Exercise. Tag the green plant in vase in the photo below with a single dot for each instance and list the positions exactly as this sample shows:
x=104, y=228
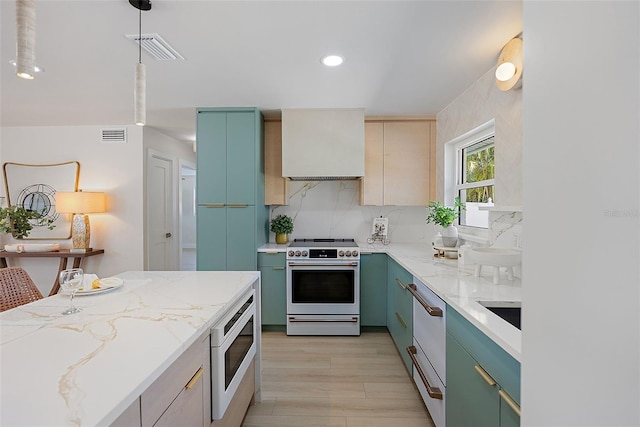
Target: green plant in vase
x=444, y=216
x=282, y=225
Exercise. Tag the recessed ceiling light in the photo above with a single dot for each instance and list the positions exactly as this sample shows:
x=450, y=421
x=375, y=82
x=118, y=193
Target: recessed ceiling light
x=332, y=60
x=35, y=68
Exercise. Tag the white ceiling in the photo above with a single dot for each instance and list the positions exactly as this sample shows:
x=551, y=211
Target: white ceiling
x=402, y=58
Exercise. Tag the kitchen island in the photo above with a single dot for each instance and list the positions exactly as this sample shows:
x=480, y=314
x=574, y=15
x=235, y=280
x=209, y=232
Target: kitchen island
x=88, y=368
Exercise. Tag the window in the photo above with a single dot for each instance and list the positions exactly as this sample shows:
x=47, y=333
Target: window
x=470, y=174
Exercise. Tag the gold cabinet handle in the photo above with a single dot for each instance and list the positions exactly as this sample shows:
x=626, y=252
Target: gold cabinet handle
x=485, y=375
x=512, y=403
x=401, y=320
x=402, y=285
x=211, y=205
x=434, y=392
x=278, y=268
x=193, y=381
x=237, y=205
x=433, y=311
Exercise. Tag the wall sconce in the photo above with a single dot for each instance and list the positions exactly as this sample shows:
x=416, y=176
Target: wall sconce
x=509, y=66
x=79, y=204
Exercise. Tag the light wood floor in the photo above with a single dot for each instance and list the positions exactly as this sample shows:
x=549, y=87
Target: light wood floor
x=335, y=381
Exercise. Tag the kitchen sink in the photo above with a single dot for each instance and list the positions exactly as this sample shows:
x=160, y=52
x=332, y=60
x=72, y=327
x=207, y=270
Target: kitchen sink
x=506, y=310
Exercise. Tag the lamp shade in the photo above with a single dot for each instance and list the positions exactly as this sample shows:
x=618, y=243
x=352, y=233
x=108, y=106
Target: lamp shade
x=80, y=202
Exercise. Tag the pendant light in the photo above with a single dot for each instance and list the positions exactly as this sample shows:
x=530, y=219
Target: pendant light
x=139, y=93
x=26, y=39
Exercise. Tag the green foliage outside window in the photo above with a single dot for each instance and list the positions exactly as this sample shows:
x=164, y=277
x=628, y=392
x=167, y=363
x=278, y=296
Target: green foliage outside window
x=480, y=166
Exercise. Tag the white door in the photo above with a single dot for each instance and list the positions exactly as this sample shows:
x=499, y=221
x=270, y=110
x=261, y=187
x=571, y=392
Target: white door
x=160, y=216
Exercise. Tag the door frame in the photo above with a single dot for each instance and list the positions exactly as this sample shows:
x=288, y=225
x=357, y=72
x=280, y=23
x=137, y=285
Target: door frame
x=174, y=253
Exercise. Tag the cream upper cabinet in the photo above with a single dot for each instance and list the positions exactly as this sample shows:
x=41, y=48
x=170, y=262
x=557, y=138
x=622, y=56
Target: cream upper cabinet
x=399, y=163
x=275, y=186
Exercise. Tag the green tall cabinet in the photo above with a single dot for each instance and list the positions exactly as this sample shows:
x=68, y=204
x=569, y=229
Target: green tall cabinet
x=231, y=217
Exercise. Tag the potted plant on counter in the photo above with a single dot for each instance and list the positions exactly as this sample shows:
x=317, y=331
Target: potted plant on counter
x=444, y=216
x=282, y=225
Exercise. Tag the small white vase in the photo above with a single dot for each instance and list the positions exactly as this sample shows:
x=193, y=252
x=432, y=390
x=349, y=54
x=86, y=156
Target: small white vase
x=449, y=236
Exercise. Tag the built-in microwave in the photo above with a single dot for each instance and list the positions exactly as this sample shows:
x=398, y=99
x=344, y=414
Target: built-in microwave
x=233, y=348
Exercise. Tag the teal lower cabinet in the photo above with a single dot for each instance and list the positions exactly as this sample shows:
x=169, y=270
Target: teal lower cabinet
x=373, y=293
x=400, y=309
x=483, y=381
x=274, y=291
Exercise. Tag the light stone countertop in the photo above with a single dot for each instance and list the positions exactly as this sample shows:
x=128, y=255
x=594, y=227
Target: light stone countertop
x=460, y=289
x=85, y=369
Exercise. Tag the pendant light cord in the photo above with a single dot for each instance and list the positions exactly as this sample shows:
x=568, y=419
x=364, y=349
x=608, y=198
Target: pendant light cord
x=140, y=37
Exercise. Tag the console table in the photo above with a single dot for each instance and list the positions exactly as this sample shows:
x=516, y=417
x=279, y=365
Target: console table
x=63, y=254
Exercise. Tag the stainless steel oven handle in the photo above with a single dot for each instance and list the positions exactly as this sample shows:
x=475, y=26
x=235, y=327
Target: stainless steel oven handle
x=350, y=264
x=351, y=320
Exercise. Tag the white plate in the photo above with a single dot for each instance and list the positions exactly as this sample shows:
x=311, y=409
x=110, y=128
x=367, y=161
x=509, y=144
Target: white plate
x=107, y=284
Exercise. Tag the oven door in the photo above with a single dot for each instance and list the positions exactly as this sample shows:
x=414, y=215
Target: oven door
x=323, y=287
x=233, y=348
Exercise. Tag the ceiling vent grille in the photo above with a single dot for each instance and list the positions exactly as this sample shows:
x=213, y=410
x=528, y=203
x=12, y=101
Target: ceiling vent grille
x=155, y=46
x=114, y=135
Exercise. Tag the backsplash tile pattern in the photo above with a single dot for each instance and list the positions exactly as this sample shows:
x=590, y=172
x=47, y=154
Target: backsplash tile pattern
x=332, y=209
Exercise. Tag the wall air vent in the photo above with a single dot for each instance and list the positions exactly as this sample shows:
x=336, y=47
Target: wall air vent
x=113, y=135
x=155, y=46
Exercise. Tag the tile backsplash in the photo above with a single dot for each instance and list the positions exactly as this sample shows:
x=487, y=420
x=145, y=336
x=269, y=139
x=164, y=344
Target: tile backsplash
x=332, y=209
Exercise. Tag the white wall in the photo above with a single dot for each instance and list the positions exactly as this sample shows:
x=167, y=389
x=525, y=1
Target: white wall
x=115, y=168
x=581, y=180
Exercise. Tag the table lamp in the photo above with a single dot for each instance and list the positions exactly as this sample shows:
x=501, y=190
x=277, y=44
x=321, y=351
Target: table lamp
x=80, y=203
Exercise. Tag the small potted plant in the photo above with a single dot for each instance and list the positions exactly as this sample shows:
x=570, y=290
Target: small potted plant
x=17, y=221
x=444, y=216
x=282, y=225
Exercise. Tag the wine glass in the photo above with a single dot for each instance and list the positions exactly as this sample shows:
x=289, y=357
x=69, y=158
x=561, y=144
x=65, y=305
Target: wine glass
x=71, y=281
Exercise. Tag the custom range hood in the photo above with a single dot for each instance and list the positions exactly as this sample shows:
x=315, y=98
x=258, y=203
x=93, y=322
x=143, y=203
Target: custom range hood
x=322, y=144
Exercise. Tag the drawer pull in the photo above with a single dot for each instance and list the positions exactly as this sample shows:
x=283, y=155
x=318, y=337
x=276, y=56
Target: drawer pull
x=278, y=268
x=401, y=320
x=485, y=375
x=237, y=205
x=512, y=403
x=433, y=311
x=193, y=381
x=402, y=285
x=343, y=320
x=211, y=205
x=434, y=392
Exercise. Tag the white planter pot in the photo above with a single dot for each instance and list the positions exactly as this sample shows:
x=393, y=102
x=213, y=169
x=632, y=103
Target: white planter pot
x=449, y=236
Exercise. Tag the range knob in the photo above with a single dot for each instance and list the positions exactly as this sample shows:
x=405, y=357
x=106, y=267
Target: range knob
x=341, y=253
x=304, y=253
x=354, y=253
x=298, y=253
x=348, y=253
x=291, y=253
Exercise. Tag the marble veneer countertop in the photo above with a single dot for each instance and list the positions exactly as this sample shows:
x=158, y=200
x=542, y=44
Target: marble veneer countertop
x=87, y=368
x=460, y=289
